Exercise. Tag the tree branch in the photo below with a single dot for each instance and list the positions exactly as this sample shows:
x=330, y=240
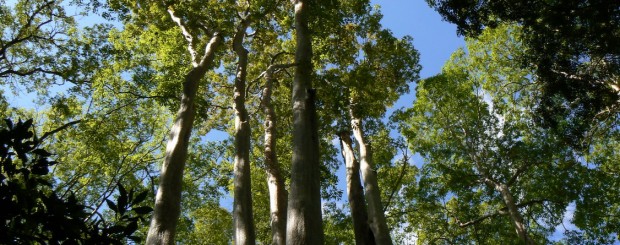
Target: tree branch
x=403, y=171
x=188, y=36
x=518, y=173
x=63, y=127
x=502, y=211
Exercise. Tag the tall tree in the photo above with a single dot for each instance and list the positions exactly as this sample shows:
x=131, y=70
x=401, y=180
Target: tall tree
x=168, y=198
x=392, y=63
x=489, y=167
x=275, y=179
x=304, y=219
x=355, y=192
x=242, y=205
x=371, y=185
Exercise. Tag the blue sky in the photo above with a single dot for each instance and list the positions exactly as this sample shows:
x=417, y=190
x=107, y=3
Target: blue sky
x=433, y=38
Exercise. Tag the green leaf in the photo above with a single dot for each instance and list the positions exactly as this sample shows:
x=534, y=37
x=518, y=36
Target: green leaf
x=9, y=123
x=140, y=197
x=111, y=205
x=143, y=210
x=131, y=228
x=122, y=199
x=135, y=239
x=41, y=152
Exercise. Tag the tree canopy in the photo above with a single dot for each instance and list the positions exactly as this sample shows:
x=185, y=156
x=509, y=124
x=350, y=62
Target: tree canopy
x=219, y=122
x=571, y=45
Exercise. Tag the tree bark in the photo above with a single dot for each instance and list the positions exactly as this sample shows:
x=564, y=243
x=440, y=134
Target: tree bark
x=514, y=213
x=361, y=229
x=304, y=221
x=275, y=180
x=242, y=204
x=376, y=216
x=168, y=199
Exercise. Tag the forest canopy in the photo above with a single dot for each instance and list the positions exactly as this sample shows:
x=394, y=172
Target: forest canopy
x=219, y=122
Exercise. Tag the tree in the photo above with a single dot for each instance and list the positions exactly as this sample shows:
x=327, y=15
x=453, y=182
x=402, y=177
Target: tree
x=492, y=173
x=168, y=198
x=304, y=221
x=384, y=60
x=355, y=193
x=572, y=47
x=242, y=206
x=38, y=45
x=486, y=158
x=168, y=202
x=275, y=180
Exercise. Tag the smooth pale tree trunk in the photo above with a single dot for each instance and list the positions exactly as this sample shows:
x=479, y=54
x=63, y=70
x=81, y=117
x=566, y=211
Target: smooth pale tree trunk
x=242, y=204
x=275, y=179
x=361, y=229
x=513, y=211
x=304, y=220
x=168, y=199
x=376, y=218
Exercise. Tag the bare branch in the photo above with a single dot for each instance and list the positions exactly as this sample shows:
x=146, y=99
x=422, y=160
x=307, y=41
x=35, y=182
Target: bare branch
x=209, y=48
x=141, y=96
x=271, y=69
x=398, y=183
x=274, y=57
x=63, y=127
x=482, y=218
x=518, y=173
x=502, y=211
x=188, y=36
x=18, y=38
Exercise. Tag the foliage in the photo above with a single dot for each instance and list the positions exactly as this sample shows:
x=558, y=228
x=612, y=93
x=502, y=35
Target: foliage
x=35, y=213
x=597, y=211
x=338, y=224
x=473, y=125
x=41, y=46
x=556, y=66
x=571, y=44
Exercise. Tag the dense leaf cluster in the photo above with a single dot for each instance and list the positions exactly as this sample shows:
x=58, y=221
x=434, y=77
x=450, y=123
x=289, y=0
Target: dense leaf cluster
x=573, y=45
x=33, y=213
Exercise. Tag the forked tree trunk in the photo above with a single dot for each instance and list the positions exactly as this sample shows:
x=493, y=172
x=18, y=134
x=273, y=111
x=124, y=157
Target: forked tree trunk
x=275, y=179
x=304, y=220
x=168, y=199
x=355, y=193
x=376, y=218
x=242, y=204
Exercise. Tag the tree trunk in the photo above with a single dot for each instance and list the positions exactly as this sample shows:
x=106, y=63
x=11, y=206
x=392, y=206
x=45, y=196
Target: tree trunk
x=363, y=234
x=275, y=180
x=376, y=217
x=304, y=221
x=242, y=204
x=168, y=199
x=514, y=213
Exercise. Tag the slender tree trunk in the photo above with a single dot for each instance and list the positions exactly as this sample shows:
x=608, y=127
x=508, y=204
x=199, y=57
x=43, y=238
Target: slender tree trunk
x=242, y=204
x=168, y=199
x=514, y=213
x=275, y=180
x=376, y=217
x=363, y=234
x=304, y=220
